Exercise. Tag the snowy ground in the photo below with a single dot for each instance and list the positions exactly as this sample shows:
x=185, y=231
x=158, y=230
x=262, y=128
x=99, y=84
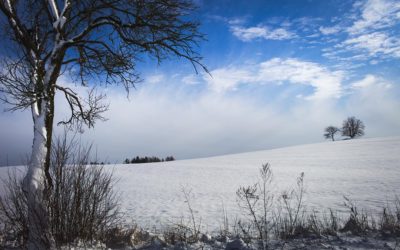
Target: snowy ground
x=365, y=170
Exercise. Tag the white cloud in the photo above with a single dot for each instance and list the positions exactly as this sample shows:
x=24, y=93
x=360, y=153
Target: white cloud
x=329, y=30
x=246, y=34
x=263, y=32
x=371, y=81
x=157, y=78
x=326, y=83
x=228, y=78
x=191, y=79
x=371, y=35
x=366, y=82
x=375, y=44
x=160, y=120
x=376, y=14
x=376, y=101
x=236, y=21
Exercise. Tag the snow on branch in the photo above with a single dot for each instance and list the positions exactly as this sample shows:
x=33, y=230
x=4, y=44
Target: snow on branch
x=54, y=9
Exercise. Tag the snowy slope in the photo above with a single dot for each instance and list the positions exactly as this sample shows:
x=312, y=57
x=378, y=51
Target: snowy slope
x=365, y=170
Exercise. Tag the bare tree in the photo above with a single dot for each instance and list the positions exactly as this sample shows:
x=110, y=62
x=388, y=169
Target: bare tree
x=330, y=132
x=92, y=42
x=353, y=127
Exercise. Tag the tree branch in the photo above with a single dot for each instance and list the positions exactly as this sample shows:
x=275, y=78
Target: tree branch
x=83, y=111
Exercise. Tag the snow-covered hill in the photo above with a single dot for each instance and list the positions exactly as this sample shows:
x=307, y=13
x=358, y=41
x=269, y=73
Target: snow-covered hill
x=365, y=170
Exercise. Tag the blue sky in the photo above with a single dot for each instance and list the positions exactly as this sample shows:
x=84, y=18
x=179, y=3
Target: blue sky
x=280, y=72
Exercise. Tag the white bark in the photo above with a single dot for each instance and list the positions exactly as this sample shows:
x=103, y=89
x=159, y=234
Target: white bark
x=35, y=180
x=12, y=19
x=53, y=8
x=34, y=183
x=39, y=150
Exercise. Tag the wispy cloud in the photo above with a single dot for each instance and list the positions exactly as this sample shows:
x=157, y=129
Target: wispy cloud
x=261, y=32
x=191, y=79
x=326, y=83
x=370, y=34
x=375, y=44
x=330, y=30
x=246, y=33
x=157, y=78
x=229, y=78
x=371, y=81
x=376, y=14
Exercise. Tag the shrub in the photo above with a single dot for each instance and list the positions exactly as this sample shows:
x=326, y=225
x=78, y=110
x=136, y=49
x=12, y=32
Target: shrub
x=81, y=204
x=358, y=222
x=13, y=210
x=284, y=217
x=290, y=218
x=256, y=201
x=389, y=221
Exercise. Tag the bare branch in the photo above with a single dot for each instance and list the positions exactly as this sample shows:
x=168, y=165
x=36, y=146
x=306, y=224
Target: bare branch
x=83, y=111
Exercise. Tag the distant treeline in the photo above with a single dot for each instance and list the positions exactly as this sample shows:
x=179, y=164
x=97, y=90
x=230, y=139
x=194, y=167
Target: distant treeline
x=148, y=159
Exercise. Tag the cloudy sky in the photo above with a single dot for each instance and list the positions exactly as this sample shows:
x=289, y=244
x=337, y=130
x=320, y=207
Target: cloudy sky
x=280, y=72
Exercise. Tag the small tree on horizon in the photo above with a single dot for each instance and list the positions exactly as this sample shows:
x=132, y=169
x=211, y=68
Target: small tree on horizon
x=330, y=132
x=353, y=127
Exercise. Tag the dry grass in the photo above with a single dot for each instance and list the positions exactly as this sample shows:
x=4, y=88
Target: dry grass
x=81, y=204
x=90, y=213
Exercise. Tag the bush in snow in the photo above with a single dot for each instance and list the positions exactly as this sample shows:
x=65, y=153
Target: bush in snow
x=81, y=204
x=256, y=201
x=389, y=222
x=290, y=217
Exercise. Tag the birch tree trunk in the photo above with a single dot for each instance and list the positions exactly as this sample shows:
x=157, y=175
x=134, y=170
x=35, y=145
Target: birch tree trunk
x=39, y=236
x=37, y=182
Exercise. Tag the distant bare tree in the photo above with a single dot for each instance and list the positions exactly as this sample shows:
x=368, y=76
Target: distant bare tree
x=95, y=42
x=353, y=127
x=330, y=132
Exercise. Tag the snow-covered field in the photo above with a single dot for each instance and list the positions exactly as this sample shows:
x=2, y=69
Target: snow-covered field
x=365, y=170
